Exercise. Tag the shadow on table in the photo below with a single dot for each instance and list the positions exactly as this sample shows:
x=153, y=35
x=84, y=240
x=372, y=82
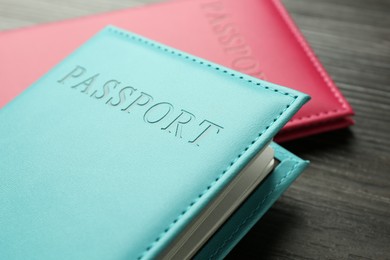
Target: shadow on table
x=343, y=139
x=269, y=234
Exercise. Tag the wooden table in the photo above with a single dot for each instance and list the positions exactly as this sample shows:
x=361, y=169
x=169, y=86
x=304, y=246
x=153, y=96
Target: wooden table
x=340, y=207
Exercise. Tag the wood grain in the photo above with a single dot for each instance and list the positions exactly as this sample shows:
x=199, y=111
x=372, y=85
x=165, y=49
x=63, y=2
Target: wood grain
x=340, y=207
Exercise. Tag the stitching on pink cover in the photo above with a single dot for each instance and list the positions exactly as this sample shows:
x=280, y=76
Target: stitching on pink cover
x=253, y=212
x=335, y=111
x=291, y=25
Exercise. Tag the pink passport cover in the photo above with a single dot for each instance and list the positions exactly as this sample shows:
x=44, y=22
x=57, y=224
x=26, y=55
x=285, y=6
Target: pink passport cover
x=256, y=37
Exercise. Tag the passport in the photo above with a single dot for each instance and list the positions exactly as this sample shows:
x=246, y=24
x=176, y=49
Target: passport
x=130, y=149
x=256, y=37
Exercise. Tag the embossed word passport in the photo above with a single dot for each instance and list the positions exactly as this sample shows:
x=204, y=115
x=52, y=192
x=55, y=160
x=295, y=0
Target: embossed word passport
x=256, y=37
x=129, y=149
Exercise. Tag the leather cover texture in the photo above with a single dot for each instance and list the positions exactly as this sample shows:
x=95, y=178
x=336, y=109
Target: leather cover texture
x=224, y=240
x=256, y=37
x=112, y=153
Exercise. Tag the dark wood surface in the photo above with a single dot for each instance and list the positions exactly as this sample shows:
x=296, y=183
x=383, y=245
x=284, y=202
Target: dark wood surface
x=340, y=207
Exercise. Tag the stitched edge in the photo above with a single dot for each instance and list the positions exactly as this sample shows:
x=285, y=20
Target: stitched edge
x=315, y=62
x=222, y=70
x=319, y=114
x=291, y=27
x=322, y=123
x=252, y=214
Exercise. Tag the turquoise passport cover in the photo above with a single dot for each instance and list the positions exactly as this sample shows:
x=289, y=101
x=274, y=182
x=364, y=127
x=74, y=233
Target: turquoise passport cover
x=244, y=218
x=115, y=150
